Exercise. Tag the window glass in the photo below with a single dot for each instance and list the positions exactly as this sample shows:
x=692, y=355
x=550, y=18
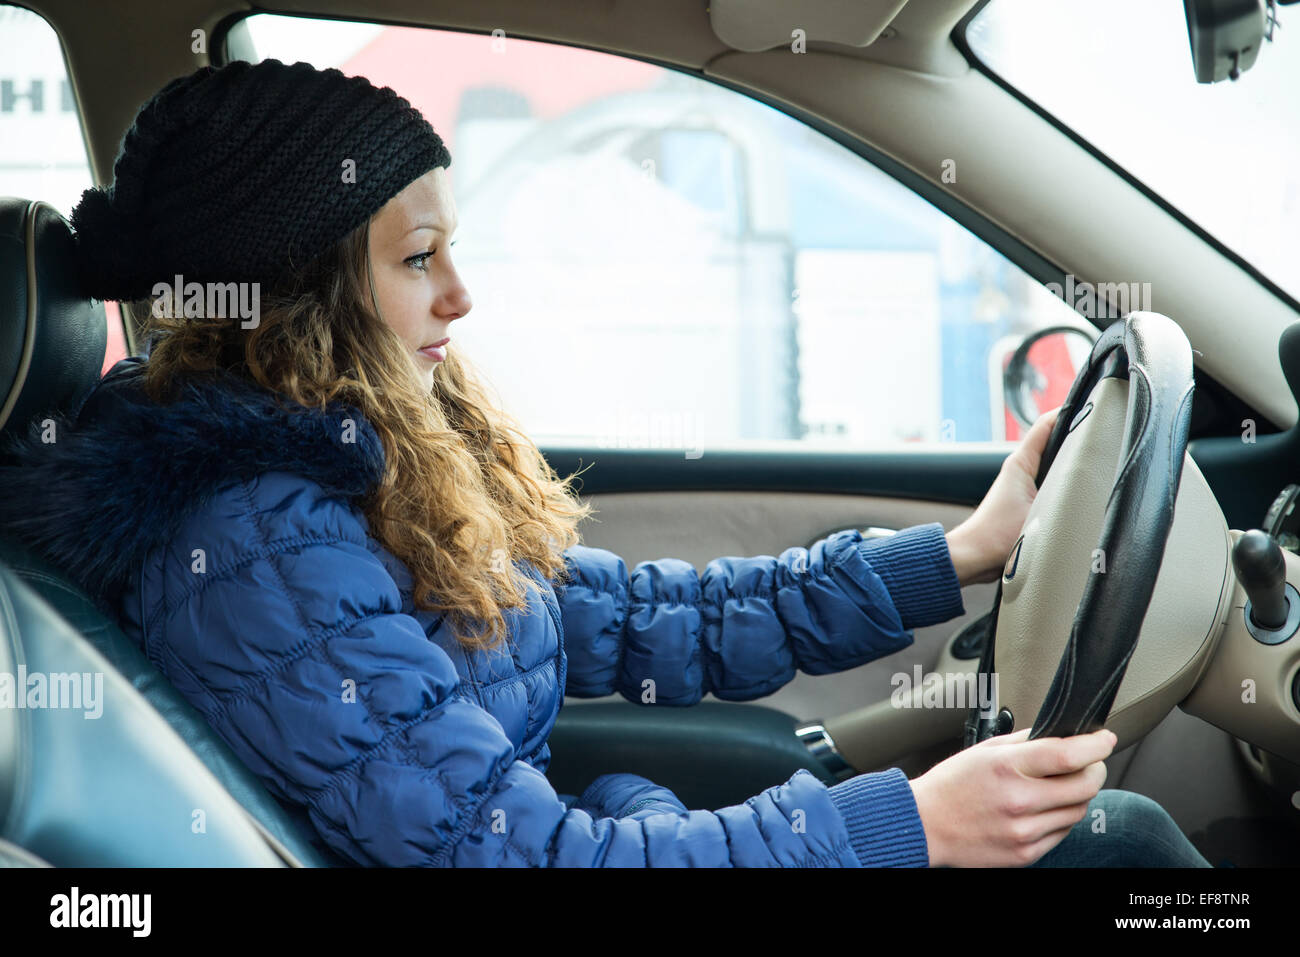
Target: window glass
x=657, y=261
x=42, y=148
x=1120, y=75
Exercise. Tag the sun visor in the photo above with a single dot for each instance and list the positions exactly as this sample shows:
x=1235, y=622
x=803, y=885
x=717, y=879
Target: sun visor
x=754, y=25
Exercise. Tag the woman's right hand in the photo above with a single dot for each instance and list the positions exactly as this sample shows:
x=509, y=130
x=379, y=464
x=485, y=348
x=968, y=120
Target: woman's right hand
x=1007, y=801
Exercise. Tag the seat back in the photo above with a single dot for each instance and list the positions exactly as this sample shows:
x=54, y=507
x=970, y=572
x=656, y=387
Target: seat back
x=90, y=774
x=52, y=342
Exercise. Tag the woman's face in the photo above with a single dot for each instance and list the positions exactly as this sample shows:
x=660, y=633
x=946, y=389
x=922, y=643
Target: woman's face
x=417, y=287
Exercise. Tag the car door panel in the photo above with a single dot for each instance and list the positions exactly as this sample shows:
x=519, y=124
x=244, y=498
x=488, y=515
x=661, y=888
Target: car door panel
x=652, y=504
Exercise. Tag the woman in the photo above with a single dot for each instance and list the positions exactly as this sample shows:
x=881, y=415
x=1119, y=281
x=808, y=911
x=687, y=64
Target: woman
x=369, y=581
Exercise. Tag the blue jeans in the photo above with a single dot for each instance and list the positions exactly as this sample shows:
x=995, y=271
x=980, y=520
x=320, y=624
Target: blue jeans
x=1130, y=831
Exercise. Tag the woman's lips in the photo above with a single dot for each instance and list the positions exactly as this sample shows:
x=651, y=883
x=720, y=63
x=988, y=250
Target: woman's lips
x=436, y=352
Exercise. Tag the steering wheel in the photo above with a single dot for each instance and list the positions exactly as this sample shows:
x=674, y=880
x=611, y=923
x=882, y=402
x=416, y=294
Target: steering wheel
x=1107, y=605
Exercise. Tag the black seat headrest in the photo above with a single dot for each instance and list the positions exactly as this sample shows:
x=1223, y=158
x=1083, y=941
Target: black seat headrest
x=52, y=338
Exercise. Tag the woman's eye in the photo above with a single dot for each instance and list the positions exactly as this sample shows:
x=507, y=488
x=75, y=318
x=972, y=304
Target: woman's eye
x=419, y=260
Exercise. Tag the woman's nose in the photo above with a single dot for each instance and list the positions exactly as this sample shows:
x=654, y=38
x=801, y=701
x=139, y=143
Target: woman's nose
x=455, y=302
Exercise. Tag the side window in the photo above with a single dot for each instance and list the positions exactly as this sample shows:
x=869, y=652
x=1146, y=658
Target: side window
x=657, y=261
x=42, y=149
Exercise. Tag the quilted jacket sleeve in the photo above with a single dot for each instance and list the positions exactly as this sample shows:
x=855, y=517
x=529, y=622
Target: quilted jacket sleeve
x=666, y=634
x=291, y=642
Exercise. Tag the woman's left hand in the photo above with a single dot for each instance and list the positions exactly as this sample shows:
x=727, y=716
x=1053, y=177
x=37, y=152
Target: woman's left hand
x=979, y=546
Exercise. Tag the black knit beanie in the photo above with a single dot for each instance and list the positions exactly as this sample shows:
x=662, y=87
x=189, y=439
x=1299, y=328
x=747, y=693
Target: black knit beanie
x=237, y=173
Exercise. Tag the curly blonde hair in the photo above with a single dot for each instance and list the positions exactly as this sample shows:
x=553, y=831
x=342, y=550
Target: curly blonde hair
x=465, y=494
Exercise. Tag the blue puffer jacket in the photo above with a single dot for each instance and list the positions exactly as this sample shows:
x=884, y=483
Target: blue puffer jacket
x=222, y=529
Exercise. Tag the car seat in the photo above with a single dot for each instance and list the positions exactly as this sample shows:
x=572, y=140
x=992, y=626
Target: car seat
x=124, y=789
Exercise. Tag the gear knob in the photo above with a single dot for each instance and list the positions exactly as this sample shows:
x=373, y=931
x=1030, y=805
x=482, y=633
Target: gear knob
x=1261, y=569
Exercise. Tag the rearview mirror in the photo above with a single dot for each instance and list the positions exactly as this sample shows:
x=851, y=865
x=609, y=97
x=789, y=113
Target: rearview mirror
x=1225, y=36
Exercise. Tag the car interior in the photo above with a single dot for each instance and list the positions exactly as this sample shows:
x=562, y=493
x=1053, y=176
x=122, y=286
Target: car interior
x=1181, y=438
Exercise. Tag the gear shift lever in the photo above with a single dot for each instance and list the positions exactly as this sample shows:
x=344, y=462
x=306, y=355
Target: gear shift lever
x=1260, y=568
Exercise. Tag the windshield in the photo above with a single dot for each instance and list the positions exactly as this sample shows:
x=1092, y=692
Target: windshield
x=1119, y=73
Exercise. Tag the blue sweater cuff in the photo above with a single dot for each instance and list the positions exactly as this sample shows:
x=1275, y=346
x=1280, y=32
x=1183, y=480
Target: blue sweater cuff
x=917, y=570
x=884, y=824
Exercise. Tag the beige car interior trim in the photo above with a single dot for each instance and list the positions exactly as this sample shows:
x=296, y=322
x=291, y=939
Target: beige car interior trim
x=886, y=732
x=1246, y=688
x=757, y=25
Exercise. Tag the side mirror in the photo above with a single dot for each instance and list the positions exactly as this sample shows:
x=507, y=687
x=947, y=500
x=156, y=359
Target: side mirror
x=1041, y=370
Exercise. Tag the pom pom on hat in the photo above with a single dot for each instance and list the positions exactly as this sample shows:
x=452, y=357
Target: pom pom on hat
x=108, y=254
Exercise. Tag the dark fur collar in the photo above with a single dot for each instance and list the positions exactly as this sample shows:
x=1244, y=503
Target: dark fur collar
x=124, y=472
